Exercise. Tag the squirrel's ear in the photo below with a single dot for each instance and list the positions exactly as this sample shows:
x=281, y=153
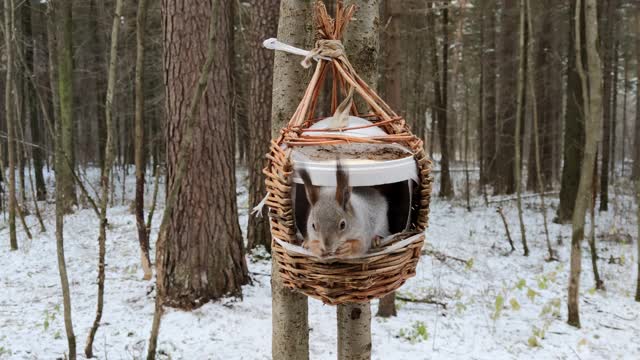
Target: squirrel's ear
x=343, y=190
x=309, y=188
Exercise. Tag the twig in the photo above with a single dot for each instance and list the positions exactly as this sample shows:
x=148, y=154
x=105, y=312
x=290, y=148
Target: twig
x=442, y=256
x=423, y=301
x=506, y=227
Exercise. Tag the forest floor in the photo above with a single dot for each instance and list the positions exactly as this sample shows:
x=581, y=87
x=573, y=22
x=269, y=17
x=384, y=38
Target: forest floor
x=499, y=305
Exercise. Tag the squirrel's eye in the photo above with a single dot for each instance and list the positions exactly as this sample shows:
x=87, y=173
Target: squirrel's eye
x=343, y=224
x=313, y=225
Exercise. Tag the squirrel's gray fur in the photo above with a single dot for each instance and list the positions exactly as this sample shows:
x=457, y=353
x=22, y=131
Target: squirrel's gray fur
x=341, y=213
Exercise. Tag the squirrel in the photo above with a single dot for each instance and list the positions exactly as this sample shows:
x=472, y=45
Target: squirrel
x=343, y=221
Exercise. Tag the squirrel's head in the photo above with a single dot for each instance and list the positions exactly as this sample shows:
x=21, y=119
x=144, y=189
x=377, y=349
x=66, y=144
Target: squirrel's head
x=331, y=218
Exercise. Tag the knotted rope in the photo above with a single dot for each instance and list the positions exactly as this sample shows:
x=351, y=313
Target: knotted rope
x=334, y=50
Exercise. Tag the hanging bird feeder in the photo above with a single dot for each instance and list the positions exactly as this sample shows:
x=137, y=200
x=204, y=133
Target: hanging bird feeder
x=377, y=149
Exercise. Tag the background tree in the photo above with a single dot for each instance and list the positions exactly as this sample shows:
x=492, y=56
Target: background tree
x=263, y=25
x=64, y=50
x=289, y=312
x=591, y=79
x=507, y=106
x=574, y=125
x=203, y=237
x=143, y=232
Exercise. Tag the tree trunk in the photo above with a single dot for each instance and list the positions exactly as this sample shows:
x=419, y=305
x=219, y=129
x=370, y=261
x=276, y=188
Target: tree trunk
x=446, y=186
x=99, y=80
x=608, y=47
x=61, y=12
x=264, y=24
x=591, y=79
x=635, y=174
x=574, y=126
x=544, y=82
x=362, y=46
x=614, y=108
x=489, y=99
x=638, y=210
x=536, y=138
x=37, y=152
x=10, y=120
x=104, y=179
x=143, y=235
x=65, y=86
x=205, y=215
x=290, y=327
x=354, y=331
x=625, y=95
x=507, y=107
x=522, y=67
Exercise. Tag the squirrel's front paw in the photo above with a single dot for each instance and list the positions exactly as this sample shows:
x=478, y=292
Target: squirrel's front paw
x=314, y=246
x=350, y=248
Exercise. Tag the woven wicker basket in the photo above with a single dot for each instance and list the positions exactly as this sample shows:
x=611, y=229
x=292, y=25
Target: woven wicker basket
x=385, y=269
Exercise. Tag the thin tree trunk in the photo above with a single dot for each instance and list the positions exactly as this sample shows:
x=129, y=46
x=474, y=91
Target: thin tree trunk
x=446, y=186
x=354, y=331
x=489, y=99
x=62, y=178
x=608, y=47
x=624, y=114
x=591, y=77
x=519, y=120
x=638, y=211
x=614, y=110
x=104, y=179
x=574, y=124
x=65, y=84
x=635, y=174
x=264, y=24
x=536, y=142
x=143, y=237
x=599, y=284
x=508, y=109
x=37, y=152
x=10, y=119
x=289, y=312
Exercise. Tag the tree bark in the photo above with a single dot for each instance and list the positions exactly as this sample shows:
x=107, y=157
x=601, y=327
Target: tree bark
x=143, y=236
x=574, y=125
x=608, y=47
x=354, y=331
x=446, y=186
x=591, y=79
x=65, y=91
x=104, y=180
x=264, y=24
x=362, y=46
x=507, y=107
x=10, y=120
x=37, y=152
x=638, y=220
x=290, y=327
x=204, y=254
x=522, y=67
x=635, y=173
x=489, y=99
x=61, y=12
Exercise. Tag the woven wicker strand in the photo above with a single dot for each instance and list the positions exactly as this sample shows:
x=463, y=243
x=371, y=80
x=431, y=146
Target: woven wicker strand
x=353, y=280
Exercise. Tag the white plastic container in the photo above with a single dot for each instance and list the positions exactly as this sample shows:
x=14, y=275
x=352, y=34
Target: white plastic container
x=367, y=164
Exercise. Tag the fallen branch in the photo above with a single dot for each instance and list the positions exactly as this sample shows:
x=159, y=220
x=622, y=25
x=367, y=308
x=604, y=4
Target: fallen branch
x=513, y=198
x=423, y=301
x=506, y=227
x=442, y=256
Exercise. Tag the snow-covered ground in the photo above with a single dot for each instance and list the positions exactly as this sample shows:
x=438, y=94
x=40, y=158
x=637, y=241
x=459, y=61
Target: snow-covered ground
x=500, y=305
